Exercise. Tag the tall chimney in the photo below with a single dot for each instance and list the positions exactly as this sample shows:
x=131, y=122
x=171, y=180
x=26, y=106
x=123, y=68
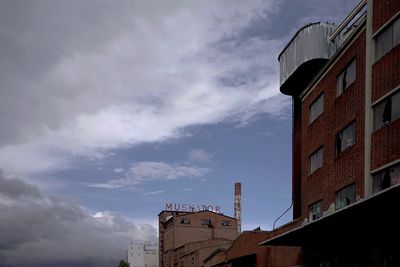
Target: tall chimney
x=238, y=206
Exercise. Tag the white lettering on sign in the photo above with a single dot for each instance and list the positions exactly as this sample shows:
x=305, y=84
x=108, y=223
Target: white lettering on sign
x=191, y=207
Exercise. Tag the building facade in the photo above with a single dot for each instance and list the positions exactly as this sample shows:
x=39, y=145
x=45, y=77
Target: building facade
x=143, y=254
x=187, y=238
x=345, y=86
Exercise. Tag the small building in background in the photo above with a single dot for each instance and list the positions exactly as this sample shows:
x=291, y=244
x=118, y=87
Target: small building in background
x=143, y=254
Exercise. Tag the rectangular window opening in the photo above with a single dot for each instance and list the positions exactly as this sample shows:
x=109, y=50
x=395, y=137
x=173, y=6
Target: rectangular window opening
x=346, y=77
x=345, y=197
x=316, y=160
x=185, y=221
x=205, y=222
x=387, y=111
x=226, y=223
x=387, y=39
x=316, y=108
x=345, y=138
x=386, y=178
x=315, y=211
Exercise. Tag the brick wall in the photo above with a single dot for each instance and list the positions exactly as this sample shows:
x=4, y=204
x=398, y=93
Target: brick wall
x=348, y=167
x=385, y=142
x=386, y=74
x=385, y=145
x=384, y=10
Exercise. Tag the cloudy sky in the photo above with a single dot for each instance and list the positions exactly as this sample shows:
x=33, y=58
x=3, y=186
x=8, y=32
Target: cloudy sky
x=110, y=109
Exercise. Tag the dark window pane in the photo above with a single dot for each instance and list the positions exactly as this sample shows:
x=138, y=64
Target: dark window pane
x=345, y=197
x=346, y=78
x=386, y=178
x=378, y=115
x=316, y=160
x=351, y=73
x=315, y=211
x=345, y=138
x=396, y=32
x=316, y=108
x=384, y=42
x=396, y=106
x=340, y=84
x=387, y=111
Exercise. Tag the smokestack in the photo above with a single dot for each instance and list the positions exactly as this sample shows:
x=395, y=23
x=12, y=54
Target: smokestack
x=238, y=206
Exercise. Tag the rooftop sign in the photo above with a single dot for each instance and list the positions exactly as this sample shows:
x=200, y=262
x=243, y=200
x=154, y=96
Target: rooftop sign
x=191, y=207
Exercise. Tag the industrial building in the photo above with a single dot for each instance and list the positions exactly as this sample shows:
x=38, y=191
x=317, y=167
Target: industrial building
x=345, y=86
x=143, y=254
x=186, y=238
x=246, y=251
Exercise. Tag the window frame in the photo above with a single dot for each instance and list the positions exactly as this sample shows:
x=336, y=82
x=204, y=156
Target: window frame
x=226, y=223
x=341, y=149
x=318, y=150
x=319, y=100
x=341, y=79
x=185, y=221
x=386, y=111
x=343, y=192
x=386, y=178
x=203, y=221
x=387, y=38
x=316, y=205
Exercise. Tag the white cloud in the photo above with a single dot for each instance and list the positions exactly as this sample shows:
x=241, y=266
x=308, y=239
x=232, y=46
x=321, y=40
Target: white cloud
x=199, y=155
x=147, y=76
x=147, y=171
x=118, y=170
x=45, y=231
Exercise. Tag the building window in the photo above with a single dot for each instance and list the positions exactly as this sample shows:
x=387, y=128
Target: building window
x=205, y=222
x=345, y=138
x=315, y=210
x=316, y=108
x=387, y=39
x=316, y=160
x=345, y=196
x=386, y=178
x=226, y=223
x=185, y=221
x=387, y=111
x=346, y=77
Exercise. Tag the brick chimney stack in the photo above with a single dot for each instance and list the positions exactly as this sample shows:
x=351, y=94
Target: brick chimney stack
x=238, y=206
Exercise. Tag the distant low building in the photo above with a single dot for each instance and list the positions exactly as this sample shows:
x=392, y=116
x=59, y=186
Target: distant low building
x=143, y=254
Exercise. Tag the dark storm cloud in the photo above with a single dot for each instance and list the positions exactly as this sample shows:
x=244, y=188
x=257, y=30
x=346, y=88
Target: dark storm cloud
x=37, y=230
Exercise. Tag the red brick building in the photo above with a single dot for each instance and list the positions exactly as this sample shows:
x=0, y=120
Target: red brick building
x=345, y=84
x=187, y=238
x=246, y=251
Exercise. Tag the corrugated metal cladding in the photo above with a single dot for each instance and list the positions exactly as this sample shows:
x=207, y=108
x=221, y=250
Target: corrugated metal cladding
x=310, y=42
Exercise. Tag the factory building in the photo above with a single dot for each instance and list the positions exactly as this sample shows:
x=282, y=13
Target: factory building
x=345, y=86
x=187, y=238
x=143, y=254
